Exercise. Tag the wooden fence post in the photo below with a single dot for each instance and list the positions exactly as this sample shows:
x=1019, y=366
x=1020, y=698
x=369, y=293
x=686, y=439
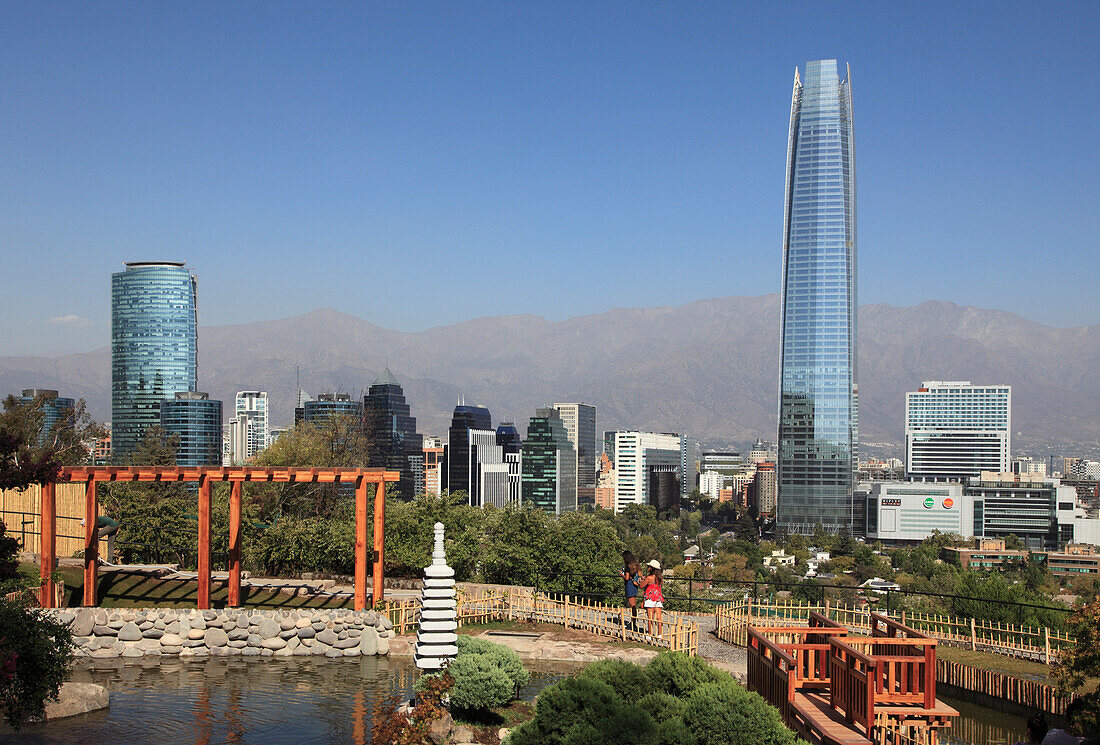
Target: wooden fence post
x=1046, y=645
x=973, y=636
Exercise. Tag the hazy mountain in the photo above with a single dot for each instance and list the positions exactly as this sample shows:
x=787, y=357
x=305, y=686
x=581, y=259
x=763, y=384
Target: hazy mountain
x=709, y=369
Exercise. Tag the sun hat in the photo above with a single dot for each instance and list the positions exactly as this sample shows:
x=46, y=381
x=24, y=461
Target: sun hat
x=654, y=563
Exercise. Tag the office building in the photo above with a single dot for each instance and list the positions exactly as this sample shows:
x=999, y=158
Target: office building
x=511, y=445
x=329, y=407
x=55, y=410
x=664, y=489
x=461, y=452
x=635, y=453
x=605, y=484
x=903, y=512
x=549, y=464
x=196, y=421
x=154, y=346
x=101, y=454
x=580, y=427
x=391, y=428
x=253, y=405
x=764, y=488
x=818, y=382
x=433, y=466
x=955, y=430
x=691, y=456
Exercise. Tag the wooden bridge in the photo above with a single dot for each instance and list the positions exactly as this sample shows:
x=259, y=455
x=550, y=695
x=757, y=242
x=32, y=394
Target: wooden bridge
x=835, y=688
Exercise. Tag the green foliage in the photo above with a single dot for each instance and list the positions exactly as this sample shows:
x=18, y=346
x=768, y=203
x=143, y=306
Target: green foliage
x=25, y=457
x=9, y=561
x=626, y=725
x=485, y=674
x=35, y=654
x=724, y=713
x=627, y=679
x=677, y=674
x=572, y=702
x=661, y=706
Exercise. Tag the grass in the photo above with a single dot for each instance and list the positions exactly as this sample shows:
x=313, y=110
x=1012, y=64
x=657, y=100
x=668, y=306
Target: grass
x=136, y=590
x=1014, y=666
x=561, y=633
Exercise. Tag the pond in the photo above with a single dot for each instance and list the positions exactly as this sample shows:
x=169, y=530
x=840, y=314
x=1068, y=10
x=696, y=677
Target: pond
x=227, y=700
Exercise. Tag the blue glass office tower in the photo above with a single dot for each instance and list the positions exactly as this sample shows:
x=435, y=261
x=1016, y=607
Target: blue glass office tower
x=56, y=410
x=197, y=422
x=817, y=388
x=154, y=347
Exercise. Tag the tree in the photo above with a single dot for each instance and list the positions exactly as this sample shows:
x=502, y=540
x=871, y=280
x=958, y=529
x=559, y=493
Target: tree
x=35, y=654
x=25, y=458
x=745, y=528
x=1076, y=665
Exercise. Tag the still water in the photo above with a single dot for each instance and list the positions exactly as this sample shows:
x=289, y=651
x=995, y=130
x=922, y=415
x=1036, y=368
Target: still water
x=227, y=700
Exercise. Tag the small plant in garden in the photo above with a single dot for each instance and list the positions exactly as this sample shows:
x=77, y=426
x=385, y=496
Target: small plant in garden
x=389, y=726
x=485, y=674
x=35, y=654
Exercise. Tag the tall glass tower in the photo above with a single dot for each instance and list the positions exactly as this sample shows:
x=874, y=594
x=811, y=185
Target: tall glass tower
x=154, y=347
x=817, y=387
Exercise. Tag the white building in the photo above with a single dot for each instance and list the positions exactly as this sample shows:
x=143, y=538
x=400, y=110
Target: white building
x=955, y=430
x=635, y=453
x=710, y=484
x=909, y=512
x=489, y=471
x=253, y=405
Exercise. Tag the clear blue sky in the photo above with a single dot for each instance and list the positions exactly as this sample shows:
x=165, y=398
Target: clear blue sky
x=418, y=164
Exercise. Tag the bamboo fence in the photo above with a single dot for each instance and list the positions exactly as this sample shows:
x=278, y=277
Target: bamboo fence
x=678, y=633
x=21, y=513
x=1029, y=642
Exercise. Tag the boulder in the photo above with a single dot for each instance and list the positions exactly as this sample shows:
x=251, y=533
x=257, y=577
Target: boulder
x=368, y=642
x=351, y=652
x=152, y=634
x=77, y=698
x=171, y=640
x=104, y=630
x=238, y=634
x=237, y=644
x=383, y=645
x=306, y=633
x=196, y=633
x=346, y=643
x=286, y=623
x=254, y=640
x=129, y=632
x=251, y=651
x=132, y=652
x=268, y=628
x=327, y=636
x=83, y=623
x=274, y=643
x=171, y=648
x=215, y=637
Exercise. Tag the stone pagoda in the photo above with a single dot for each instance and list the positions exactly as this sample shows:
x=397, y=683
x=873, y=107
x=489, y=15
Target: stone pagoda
x=436, y=639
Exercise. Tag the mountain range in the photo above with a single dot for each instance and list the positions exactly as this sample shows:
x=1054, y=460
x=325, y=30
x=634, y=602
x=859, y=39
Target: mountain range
x=708, y=369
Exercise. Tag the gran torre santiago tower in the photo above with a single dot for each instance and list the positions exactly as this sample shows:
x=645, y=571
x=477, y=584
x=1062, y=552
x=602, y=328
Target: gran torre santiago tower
x=818, y=395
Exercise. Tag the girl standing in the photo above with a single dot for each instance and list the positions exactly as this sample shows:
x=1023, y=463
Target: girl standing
x=632, y=577
x=654, y=596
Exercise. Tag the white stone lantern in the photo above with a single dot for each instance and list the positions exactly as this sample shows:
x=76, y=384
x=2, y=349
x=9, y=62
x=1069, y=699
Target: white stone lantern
x=436, y=639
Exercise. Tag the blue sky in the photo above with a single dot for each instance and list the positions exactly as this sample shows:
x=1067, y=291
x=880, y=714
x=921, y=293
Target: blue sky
x=418, y=164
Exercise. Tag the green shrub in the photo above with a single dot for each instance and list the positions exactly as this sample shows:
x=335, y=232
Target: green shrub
x=486, y=674
x=727, y=714
x=35, y=654
x=673, y=731
x=571, y=702
x=662, y=706
x=627, y=725
x=678, y=674
x=525, y=734
x=628, y=680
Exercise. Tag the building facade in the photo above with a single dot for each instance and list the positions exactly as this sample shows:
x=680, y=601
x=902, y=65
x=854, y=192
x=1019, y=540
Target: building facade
x=392, y=431
x=955, y=430
x=328, y=407
x=549, y=464
x=252, y=405
x=511, y=444
x=635, y=453
x=764, y=488
x=580, y=427
x=459, y=455
x=818, y=408
x=197, y=422
x=433, y=468
x=154, y=346
x=55, y=409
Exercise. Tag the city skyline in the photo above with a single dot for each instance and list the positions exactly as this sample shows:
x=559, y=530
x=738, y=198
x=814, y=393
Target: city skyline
x=637, y=147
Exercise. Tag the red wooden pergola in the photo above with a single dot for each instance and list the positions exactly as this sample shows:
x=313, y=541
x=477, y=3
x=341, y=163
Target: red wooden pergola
x=236, y=476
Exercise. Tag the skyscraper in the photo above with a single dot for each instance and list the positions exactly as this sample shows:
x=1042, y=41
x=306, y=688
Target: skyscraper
x=154, y=346
x=253, y=405
x=580, y=428
x=197, y=422
x=55, y=410
x=392, y=430
x=955, y=430
x=549, y=464
x=817, y=387
x=635, y=454
x=461, y=450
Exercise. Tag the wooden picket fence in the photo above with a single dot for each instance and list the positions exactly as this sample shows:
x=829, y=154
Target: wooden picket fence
x=1041, y=644
x=483, y=605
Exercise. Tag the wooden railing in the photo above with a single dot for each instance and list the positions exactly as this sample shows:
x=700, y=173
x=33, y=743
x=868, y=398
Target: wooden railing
x=1041, y=644
x=477, y=605
x=852, y=682
x=772, y=672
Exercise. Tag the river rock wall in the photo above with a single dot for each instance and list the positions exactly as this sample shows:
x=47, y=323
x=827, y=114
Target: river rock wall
x=125, y=632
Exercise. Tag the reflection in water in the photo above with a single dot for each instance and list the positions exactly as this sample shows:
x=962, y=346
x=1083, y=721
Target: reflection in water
x=977, y=725
x=230, y=700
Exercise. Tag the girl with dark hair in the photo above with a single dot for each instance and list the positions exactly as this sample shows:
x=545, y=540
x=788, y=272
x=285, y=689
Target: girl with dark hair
x=632, y=577
x=654, y=596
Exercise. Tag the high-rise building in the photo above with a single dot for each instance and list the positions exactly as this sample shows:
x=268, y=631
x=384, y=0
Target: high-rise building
x=691, y=457
x=955, y=430
x=197, y=422
x=433, y=466
x=392, y=430
x=154, y=346
x=764, y=488
x=635, y=453
x=330, y=406
x=253, y=404
x=605, y=484
x=459, y=454
x=55, y=409
x=818, y=390
x=580, y=427
x=664, y=489
x=511, y=444
x=549, y=464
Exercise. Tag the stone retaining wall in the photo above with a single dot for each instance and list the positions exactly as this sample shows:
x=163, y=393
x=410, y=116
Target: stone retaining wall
x=125, y=632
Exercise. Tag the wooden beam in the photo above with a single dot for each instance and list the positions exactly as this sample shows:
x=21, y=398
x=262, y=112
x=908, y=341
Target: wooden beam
x=48, y=543
x=204, y=543
x=234, y=544
x=379, y=539
x=91, y=543
x=360, y=544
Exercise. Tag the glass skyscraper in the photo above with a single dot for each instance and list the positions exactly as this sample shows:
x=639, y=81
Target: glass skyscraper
x=197, y=422
x=392, y=429
x=817, y=389
x=154, y=346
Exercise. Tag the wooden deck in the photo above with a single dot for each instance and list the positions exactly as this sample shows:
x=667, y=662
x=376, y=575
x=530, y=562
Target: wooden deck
x=833, y=687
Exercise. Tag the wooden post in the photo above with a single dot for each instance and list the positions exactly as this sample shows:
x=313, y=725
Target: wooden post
x=47, y=545
x=1046, y=645
x=360, y=544
x=234, y=544
x=973, y=636
x=91, y=543
x=379, y=539
x=204, y=542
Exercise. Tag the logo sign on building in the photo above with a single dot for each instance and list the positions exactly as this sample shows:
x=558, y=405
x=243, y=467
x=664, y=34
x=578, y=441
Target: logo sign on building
x=929, y=503
x=890, y=502
x=948, y=503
